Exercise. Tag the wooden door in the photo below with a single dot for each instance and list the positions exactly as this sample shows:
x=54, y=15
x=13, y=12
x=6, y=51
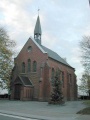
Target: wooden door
x=17, y=92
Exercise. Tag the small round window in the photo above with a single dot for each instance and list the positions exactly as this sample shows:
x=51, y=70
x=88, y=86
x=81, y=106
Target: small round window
x=29, y=49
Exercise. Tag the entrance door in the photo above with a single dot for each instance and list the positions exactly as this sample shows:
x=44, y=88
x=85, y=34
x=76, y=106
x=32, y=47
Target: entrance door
x=17, y=92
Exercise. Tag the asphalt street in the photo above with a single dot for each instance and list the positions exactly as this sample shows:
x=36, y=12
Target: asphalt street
x=33, y=110
x=11, y=117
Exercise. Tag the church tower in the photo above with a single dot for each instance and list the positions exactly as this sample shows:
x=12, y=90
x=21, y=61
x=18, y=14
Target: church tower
x=37, y=31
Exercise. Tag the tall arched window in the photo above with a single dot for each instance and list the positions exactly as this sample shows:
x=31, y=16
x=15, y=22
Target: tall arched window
x=53, y=73
x=34, y=66
x=63, y=79
x=23, y=67
x=29, y=65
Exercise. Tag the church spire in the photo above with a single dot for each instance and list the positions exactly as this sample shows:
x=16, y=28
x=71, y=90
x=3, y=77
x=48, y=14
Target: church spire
x=37, y=31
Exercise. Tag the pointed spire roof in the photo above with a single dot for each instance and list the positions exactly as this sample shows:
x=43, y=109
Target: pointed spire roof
x=37, y=29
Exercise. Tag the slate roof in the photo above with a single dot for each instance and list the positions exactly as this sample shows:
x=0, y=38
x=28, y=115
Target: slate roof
x=23, y=80
x=26, y=80
x=55, y=56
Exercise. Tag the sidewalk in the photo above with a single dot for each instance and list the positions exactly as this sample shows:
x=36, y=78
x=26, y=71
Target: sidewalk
x=42, y=110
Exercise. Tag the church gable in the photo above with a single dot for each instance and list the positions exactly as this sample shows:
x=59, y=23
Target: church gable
x=31, y=50
x=30, y=46
x=31, y=54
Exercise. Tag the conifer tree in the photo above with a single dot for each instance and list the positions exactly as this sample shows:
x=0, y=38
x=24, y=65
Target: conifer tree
x=57, y=95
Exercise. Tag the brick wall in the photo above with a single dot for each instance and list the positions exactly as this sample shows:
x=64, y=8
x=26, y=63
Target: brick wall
x=68, y=89
x=34, y=55
x=41, y=79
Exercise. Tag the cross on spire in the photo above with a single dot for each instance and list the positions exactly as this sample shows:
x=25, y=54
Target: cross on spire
x=38, y=11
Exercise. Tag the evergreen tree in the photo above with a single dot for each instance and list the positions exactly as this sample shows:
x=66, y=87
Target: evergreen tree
x=57, y=95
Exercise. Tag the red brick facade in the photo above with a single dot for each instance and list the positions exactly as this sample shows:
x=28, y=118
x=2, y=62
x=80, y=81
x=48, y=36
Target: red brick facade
x=41, y=79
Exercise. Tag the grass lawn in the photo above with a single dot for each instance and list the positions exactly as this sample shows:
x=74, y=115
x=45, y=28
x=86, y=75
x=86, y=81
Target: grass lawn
x=87, y=102
x=85, y=111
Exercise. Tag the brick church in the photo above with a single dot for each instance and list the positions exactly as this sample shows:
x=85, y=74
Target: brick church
x=34, y=70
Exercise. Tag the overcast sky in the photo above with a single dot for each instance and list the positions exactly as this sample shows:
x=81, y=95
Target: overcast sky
x=63, y=23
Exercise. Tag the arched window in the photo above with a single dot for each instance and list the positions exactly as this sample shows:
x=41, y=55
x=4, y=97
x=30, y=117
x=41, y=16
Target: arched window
x=70, y=79
x=53, y=73
x=23, y=67
x=29, y=65
x=34, y=66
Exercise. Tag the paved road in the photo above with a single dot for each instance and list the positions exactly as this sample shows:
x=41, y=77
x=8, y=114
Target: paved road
x=42, y=110
x=11, y=117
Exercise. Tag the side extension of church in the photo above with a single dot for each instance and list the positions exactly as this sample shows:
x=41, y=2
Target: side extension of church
x=34, y=70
